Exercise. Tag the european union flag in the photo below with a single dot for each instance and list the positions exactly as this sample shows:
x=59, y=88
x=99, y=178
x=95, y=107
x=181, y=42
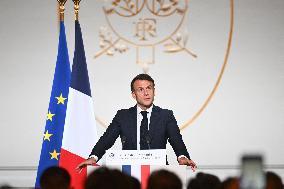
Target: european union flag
x=52, y=137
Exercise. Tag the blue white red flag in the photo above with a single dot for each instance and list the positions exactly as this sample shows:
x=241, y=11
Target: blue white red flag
x=80, y=134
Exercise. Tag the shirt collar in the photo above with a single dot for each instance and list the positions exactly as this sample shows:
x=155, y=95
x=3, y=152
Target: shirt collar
x=149, y=110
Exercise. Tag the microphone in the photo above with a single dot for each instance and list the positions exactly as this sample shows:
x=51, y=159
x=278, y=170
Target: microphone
x=123, y=140
x=148, y=140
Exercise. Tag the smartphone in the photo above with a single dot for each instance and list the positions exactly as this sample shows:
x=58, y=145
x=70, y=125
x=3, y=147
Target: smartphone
x=252, y=173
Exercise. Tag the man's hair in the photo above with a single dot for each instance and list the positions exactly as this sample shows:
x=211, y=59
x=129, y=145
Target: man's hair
x=55, y=178
x=105, y=178
x=163, y=179
x=204, y=181
x=273, y=181
x=141, y=77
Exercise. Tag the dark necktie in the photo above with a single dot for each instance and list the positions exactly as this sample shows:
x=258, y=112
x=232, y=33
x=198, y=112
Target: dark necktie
x=144, y=131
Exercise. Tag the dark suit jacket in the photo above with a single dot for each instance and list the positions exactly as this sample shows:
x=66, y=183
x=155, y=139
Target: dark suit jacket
x=163, y=127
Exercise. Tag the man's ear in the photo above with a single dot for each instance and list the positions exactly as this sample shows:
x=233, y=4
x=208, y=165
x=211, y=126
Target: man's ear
x=133, y=95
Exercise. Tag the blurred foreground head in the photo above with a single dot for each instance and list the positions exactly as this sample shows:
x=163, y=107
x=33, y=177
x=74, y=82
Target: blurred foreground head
x=230, y=183
x=204, y=181
x=273, y=181
x=104, y=178
x=164, y=179
x=55, y=178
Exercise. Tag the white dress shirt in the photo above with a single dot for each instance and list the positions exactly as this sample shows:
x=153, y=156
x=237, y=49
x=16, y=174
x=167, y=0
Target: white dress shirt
x=139, y=119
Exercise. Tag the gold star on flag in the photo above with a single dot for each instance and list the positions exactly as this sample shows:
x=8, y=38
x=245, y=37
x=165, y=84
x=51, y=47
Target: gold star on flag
x=47, y=135
x=60, y=99
x=54, y=155
x=49, y=116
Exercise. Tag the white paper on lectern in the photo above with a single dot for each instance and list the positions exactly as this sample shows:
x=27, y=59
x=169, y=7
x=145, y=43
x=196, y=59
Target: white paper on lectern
x=136, y=157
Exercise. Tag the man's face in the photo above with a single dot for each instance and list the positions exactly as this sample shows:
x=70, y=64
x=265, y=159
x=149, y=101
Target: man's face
x=143, y=93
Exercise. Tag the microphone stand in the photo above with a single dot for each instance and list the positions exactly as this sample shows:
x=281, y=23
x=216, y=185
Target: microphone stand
x=123, y=140
x=148, y=140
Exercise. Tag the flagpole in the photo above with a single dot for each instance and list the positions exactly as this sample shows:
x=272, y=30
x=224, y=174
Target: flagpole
x=76, y=8
x=77, y=143
x=61, y=9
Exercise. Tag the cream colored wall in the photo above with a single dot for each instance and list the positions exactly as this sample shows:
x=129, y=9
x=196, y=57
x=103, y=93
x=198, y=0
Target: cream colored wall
x=244, y=115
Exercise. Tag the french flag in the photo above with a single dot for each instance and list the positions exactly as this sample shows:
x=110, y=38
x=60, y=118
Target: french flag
x=80, y=134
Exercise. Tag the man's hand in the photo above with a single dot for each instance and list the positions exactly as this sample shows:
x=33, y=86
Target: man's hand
x=89, y=161
x=188, y=162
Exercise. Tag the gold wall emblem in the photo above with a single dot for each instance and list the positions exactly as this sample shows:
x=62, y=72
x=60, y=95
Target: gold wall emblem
x=144, y=25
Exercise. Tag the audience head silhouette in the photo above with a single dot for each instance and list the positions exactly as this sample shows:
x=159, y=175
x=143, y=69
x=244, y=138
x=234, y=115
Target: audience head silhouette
x=204, y=181
x=163, y=179
x=104, y=178
x=273, y=181
x=55, y=178
x=5, y=186
x=230, y=183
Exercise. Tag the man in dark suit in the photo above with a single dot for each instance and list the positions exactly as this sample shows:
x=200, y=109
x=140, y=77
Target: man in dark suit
x=144, y=126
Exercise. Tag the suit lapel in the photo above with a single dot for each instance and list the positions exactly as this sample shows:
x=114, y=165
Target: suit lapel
x=133, y=124
x=153, y=120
